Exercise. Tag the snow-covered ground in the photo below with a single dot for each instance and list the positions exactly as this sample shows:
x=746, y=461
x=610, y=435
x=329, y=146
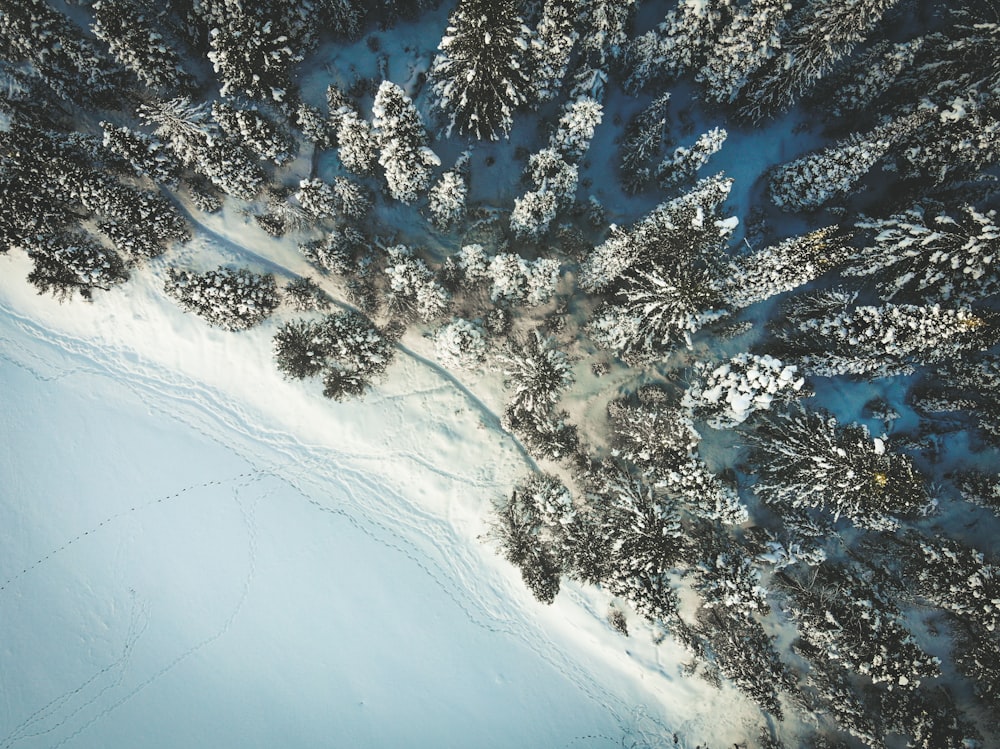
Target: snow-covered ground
x=195, y=552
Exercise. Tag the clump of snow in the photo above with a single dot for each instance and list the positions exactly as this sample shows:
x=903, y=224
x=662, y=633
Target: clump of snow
x=725, y=396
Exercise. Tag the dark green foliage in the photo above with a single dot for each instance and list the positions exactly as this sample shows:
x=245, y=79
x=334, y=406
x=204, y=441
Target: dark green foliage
x=345, y=347
x=229, y=299
x=147, y=156
x=65, y=263
x=63, y=57
x=137, y=41
x=843, y=618
x=304, y=295
x=478, y=76
x=745, y=655
x=528, y=525
x=804, y=458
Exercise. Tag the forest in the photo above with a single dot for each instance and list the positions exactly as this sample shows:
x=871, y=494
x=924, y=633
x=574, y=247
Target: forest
x=740, y=293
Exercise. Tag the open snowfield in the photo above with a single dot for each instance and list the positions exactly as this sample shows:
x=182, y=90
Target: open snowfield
x=195, y=552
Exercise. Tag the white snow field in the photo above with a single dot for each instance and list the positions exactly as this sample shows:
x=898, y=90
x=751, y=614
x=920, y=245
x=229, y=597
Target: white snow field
x=195, y=552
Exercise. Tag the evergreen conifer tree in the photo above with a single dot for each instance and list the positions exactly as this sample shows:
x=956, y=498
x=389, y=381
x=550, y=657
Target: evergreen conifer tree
x=402, y=140
x=478, y=76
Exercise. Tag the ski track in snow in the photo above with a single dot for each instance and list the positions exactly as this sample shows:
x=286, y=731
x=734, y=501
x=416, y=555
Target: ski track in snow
x=394, y=522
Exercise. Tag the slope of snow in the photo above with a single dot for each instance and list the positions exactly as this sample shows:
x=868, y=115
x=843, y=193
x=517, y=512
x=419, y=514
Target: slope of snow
x=194, y=551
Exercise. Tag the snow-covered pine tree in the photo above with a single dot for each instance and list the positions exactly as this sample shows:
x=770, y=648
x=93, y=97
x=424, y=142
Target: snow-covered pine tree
x=317, y=198
x=936, y=258
x=845, y=620
x=252, y=54
x=337, y=251
x=687, y=227
x=344, y=346
x=782, y=267
x=556, y=181
x=655, y=310
x=659, y=439
x=676, y=45
x=147, y=156
x=413, y=288
x=461, y=344
x=726, y=395
x=447, y=197
x=527, y=527
x=402, y=143
x=478, y=77
x=316, y=127
x=229, y=299
x=357, y=145
x=69, y=262
x=642, y=142
x=536, y=373
x=257, y=131
x=872, y=76
x=685, y=162
x=834, y=172
x=139, y=224
x=979, y=488
x=727, y=578
x=139, y=42
x=199, y=145
x=60, y=54
x=821, y=33
x=751, y=38
x=957, y=578
x=746, y=655
x=605, y=26
x=533, y=214
x=882, y=341
x=552, y=45
x=305, y=295
x=644, y=538
x=576, y=127
x=804, y=458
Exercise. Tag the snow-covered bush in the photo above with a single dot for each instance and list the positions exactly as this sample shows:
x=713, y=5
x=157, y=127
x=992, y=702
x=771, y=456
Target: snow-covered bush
x=345, y=347
x=317, y=197
x=461, y=344
x=474, y=262
x=447, y=197
x=726, y=395
x=227, y=298
x=533, y=213
x=305, y=295
x=357, y=145
x=413, y=287
x=518, y=281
